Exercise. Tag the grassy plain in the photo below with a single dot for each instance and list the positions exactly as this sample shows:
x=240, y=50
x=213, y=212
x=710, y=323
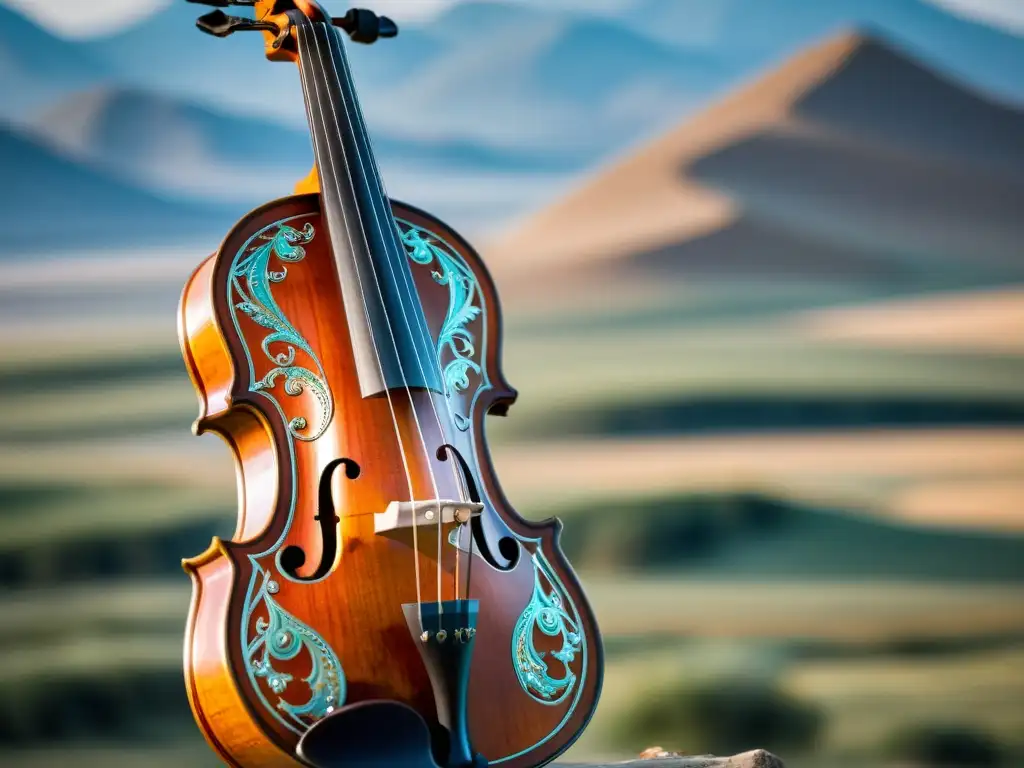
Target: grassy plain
x=849, y=597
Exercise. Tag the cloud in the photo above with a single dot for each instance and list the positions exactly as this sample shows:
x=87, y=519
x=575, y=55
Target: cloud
x=408, y=9
x=85, y=18
x=90, y=18
x=1006, y=14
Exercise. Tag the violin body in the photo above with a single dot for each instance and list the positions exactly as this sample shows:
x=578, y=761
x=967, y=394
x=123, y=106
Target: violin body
x=344, y=630
x=347, y=349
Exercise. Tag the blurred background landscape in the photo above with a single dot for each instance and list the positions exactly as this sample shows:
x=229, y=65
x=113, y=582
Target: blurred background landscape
x=762, y=274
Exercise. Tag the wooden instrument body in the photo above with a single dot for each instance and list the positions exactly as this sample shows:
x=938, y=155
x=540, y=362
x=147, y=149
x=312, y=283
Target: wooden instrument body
x=263, y=333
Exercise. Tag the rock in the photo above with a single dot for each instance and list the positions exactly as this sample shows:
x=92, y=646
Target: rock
x=656, y=757
x=652, y=752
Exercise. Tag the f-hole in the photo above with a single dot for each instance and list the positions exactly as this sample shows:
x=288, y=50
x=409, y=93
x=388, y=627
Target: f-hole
x=293, y=558
x=508, y=548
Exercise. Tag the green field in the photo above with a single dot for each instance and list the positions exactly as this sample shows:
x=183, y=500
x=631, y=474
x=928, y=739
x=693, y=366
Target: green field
x=709, y=548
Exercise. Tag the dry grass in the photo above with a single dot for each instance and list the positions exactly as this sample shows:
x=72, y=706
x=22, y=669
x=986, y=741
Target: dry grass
x=628, y=364
x=113, y=511
x=867, y=699
x=172, y=459
x=970, y=476
x=626, y=606
x=991, y=321
x=90, y=656
x=88, y=607
x=992, y=504
x=805, y=465
x=859, y=612
x=107, y=408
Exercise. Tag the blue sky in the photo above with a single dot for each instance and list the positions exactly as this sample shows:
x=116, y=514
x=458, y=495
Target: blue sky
x=88, y=18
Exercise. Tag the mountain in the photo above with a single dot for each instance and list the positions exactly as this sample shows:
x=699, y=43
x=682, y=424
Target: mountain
x=852, y=159
x=880, y=95
x=572, y=84
x=549, y=85
x=57, y=203
x=36, y=68
x=492, y=74
x=755, y=33
x=765, y=539
x=166, y=52
x=179, y=148
x=188, y=151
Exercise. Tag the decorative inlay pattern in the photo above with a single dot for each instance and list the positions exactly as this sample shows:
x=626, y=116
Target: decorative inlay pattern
x=454, y=341
x=552, y=613
x=250, y=293
x=277, y=636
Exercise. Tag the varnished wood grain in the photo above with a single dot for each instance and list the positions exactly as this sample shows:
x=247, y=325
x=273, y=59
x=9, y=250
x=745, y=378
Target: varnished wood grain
x=356, y=609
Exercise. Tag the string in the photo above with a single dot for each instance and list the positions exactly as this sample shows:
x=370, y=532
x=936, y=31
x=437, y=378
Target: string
x=421, y=320
x=334, y=39
x=329, y=32
x=301, y=27
x=422, y=323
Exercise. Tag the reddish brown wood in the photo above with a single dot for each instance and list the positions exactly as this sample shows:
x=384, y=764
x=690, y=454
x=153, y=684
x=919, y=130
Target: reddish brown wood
x=356, y=609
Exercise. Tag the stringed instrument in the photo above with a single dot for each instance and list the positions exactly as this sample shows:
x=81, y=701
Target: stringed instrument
x=379, y=595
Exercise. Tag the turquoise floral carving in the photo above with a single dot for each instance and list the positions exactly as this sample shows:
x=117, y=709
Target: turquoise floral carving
x=548, y=612
x=280, y=637
x=257, y=301
x=455, y=340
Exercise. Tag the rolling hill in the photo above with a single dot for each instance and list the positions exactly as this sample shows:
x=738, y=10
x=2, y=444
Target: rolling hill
x=493, y=72
x=465, y=75
x=826, y=167
x=166, y=53
x=750, y=537
x=163, y=143
x=185, y=150
x=569, y=83
x=232, y=73
x=753, y=34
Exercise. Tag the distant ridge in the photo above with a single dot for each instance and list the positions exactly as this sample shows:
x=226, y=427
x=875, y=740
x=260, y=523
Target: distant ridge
x=816, y=188
x=757, y=34
x=59, y=204
x=473, y=75
x=37, y=67
x=650, y=205
x=178, y=148
x=190, y=151
x=936, y=115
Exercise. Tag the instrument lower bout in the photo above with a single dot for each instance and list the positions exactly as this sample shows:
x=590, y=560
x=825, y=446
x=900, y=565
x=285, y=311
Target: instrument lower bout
x=353, y=508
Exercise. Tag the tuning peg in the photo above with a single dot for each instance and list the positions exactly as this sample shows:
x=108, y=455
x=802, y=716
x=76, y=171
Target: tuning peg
x=219, y=24
x=222, y=3
x=365, y=26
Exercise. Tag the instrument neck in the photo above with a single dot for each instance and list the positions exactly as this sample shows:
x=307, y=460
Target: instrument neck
x=390, y=338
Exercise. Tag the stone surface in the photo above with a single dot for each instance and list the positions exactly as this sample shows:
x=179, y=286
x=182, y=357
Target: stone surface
x=756, y=759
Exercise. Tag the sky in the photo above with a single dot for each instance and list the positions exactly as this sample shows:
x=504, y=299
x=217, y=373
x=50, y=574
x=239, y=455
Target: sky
x=90, y=18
